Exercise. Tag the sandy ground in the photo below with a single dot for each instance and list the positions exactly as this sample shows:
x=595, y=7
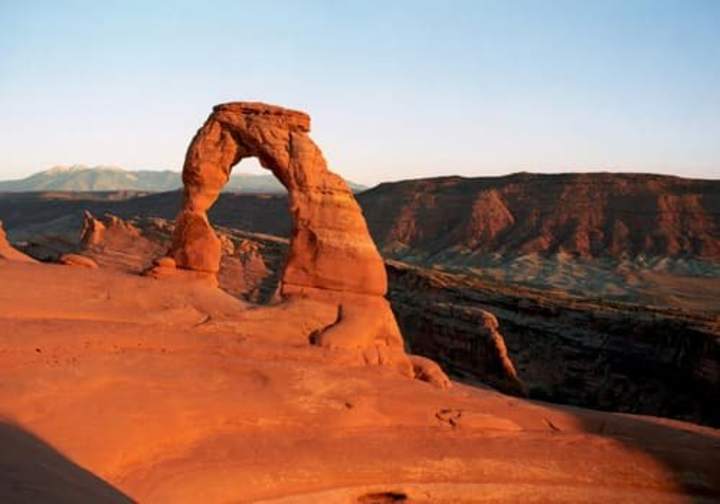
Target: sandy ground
x=116, y=388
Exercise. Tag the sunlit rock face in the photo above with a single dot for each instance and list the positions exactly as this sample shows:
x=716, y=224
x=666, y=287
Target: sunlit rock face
x=331, y=258
x=8, y=252
x=330, y=248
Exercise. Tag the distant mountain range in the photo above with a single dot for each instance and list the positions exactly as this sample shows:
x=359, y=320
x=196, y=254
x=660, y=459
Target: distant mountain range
x=461, y=221
x=110, y=178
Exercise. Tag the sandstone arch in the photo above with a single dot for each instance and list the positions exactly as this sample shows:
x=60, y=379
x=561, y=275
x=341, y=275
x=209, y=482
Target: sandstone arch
x=330, y=247
x=332, y=256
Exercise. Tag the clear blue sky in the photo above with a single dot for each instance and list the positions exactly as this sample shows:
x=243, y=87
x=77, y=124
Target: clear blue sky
x=396, y=89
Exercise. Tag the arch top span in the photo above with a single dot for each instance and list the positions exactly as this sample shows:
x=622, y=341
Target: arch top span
x=284, y=117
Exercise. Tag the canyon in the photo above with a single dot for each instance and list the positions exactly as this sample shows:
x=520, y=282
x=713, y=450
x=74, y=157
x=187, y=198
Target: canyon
x=624, y=331
x=262, y=348
x=562, y=348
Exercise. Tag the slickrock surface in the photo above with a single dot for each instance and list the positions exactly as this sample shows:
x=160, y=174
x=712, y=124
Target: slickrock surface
x=331, y=257
x=78, y=260
x=116, y=387
x=585, y=352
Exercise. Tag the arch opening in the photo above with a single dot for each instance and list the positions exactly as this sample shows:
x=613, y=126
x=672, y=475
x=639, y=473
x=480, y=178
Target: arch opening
x=252, y=256
x=249, y=166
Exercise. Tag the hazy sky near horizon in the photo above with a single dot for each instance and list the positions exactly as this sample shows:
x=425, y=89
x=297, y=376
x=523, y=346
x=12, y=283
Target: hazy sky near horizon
x=396, y=89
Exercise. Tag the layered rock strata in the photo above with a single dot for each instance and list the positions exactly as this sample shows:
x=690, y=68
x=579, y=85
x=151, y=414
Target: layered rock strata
x=583, y=352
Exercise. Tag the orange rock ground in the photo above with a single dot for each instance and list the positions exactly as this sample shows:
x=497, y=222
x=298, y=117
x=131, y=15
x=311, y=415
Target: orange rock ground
x=115, y=387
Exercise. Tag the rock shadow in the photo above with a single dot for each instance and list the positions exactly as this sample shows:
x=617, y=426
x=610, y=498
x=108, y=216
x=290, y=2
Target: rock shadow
x=33, y=471
x=691, y=454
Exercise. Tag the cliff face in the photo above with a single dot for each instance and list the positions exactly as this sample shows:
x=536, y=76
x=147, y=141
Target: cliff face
x=586, y=215
x=465, y=338
x=608, y=356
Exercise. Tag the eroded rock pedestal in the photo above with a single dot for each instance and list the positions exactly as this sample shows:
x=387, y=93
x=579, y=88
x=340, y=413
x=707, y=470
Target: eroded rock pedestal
x=332, y=257
x=8, y=252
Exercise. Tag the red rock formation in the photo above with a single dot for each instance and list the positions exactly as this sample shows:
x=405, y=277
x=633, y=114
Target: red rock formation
x=97, y=231
x=8, y=252
x=457, y=219
x=329, y=232
x=118, y=244
x=332, y=256
x=78, y=260
x=93, y=230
